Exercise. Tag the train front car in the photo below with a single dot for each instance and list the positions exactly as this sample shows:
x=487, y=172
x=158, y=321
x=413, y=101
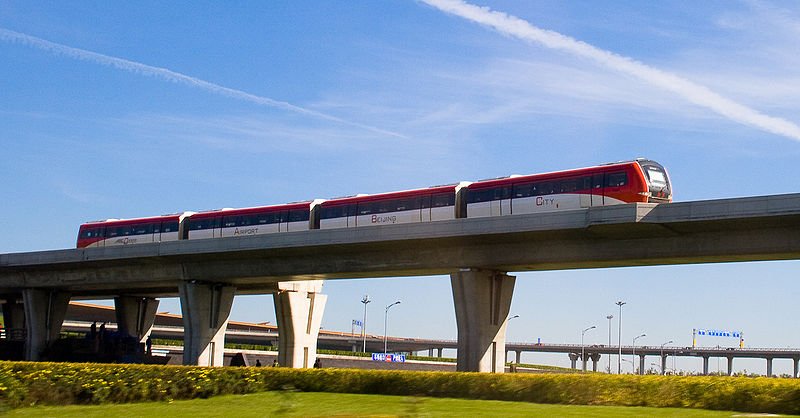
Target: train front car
x=657, y=179
x=421, y=205
x=610, y=184
x=249, y=221
x=116, y=232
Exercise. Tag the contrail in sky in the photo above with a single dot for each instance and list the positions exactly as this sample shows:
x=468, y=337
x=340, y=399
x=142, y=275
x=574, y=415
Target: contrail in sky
x=168, y=75
x=693, y=92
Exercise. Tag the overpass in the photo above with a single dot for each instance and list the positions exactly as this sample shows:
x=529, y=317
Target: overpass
x=170, y=326
x=477, y=253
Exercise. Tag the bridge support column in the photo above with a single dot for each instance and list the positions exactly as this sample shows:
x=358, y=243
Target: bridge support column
x=205, y=309
x=439, y=352
x=796, y=362
x=641, y=363
x=663, y=365
x=595, y=359
x=519, y=354
x=135, y=315
x=13, y=315
x=730, y=365
x=298, y=310
x=482, y=301
x=705, y=365
x=573, y=357
x=769, y=366
x=44, y=314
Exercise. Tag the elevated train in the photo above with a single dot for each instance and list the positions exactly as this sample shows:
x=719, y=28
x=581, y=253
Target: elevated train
x=639, y=180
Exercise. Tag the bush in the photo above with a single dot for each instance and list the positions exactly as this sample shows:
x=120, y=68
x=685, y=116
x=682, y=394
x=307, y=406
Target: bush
x=23, y=384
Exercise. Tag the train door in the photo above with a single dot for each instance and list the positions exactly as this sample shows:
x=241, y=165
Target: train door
x=598, y=181
x=501, y=205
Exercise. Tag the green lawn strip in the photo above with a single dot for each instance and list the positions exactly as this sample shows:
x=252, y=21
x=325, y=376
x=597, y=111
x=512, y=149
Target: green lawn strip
x=315, y=404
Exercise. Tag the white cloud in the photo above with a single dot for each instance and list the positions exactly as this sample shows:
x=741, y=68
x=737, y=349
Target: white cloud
x=692, y=92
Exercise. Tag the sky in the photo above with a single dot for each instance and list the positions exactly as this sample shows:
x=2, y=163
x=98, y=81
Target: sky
x=116, y=110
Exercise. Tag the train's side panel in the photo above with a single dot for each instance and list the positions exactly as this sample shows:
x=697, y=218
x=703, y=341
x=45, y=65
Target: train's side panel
x=203, y=233
x=549, y=203
x=389, y=218
x=332, y=223
x=169, y=236
x=294, y=226
x=443, y=213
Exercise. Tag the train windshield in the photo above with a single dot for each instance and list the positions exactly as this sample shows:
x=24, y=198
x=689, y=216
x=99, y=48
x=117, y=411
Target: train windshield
x=657, y=181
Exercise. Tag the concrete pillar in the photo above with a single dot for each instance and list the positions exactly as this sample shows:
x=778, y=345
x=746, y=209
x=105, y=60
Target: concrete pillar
x=439, y=352
x=641, y=363
x=519, y=354
x=769, y=366
x=664, y=364
x=205, y=309
x=430, y=352
x=584, y=358
x=44, y=314
x=705, y=365
x=135, y=315
x=573, y=357
x=796, y=367
x=595, y=360
x=298, y=309
x=482, y=301
x=730, y=365
x=13, y=315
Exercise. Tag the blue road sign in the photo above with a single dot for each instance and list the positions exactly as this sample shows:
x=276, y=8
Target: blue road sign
x=389, y=358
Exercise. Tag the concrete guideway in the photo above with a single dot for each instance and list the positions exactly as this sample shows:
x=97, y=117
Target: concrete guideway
x=475, y=252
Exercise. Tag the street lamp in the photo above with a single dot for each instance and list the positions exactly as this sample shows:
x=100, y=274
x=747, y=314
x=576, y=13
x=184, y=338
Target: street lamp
x=609, y=317
x=619, y=336
x=633, y=356
x=663, y=360
x=385, y=320
x=583, y=352
x=365, y=300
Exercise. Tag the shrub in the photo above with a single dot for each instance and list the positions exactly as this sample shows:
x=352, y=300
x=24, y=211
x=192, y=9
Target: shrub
x=23, y=384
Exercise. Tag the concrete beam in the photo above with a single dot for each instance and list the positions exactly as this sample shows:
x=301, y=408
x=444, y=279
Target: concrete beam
x=13, y=313
x=482, y=301
x=298, y=310
x=44, y=315
x=135, y=315
x=205, y=309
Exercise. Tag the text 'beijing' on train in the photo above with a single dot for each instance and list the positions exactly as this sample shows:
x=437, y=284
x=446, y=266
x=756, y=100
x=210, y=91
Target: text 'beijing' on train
x=640, y=180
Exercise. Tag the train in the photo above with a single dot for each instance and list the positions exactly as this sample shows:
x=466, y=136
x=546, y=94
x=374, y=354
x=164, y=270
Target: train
x=639, y=180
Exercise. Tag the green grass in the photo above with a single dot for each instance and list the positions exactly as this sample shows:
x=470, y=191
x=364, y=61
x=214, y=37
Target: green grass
x=316, y=404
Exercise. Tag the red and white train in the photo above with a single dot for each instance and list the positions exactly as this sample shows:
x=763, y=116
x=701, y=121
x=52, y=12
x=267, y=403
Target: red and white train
x=640, y=180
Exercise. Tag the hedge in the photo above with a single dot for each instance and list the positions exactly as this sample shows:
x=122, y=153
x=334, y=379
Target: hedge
x=24, y=384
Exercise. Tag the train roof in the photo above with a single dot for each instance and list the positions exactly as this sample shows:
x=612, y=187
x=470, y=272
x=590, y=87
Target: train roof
x=549, y=175
x=134, y=221
x=450, y=188
x=256, y=209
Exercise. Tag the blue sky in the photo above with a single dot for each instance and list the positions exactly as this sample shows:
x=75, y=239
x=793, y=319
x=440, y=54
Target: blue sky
x=126, y=110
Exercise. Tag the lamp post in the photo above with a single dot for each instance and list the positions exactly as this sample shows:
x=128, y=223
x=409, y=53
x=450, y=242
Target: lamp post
x=583, y=351
x=365, y=300
x=634, y=351
x=385, y=320
x=663, y=361
x=517, y=353
x=609, y=317
x=619, y=338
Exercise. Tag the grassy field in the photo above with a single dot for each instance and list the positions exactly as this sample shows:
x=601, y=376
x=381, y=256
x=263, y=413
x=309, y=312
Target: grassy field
x=297, y=404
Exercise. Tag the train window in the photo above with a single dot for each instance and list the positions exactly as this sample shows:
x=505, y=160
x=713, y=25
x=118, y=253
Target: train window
x=231, y=221
x=597, y=181
x=441, y=200
x=298, y=215
x=92, y=233
x=141, y=229
x=545, y=187
x=205, y=223
x=264, y=218
x=339, y=211
x=523, y=190
x=616, y=179
x=169, y=227
x=486, y=195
